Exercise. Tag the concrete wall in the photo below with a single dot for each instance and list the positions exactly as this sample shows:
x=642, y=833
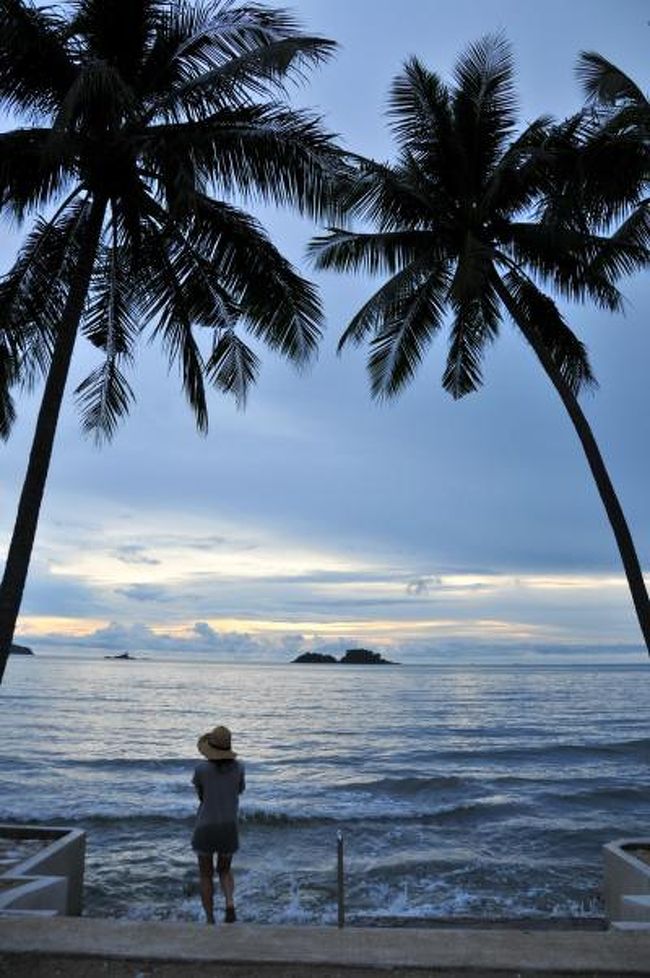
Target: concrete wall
x=626, y=882
x=35, y=893
x=53, y=877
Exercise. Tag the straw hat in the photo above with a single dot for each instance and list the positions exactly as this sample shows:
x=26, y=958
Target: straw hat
x=215, y=745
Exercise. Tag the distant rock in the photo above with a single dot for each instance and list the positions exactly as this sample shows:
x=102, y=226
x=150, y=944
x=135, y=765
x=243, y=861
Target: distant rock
x=364, y=657
x=20, y=650
x=122, y=655
x=315, y=657
x=354, y=657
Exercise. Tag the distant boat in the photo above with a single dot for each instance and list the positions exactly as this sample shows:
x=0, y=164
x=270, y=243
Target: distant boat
x=122, y=655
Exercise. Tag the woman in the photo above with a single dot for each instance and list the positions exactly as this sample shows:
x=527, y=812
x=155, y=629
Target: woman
x=219, y=781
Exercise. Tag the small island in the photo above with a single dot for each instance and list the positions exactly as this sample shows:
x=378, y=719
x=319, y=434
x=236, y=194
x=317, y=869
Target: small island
x=122, y=655
x=19, y=650
x=315, y=658
x=355, y=657
x=364, y=657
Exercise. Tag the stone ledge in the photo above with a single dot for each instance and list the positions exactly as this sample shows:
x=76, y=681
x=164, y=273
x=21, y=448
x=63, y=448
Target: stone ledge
x=160, y=949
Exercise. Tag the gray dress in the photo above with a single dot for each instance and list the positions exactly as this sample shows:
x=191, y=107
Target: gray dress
x=219, y=785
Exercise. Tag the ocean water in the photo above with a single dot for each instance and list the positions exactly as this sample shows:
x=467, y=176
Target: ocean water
x=481, y=791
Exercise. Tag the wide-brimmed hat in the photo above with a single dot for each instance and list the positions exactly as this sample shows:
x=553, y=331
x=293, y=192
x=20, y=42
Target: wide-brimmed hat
x=215, y=745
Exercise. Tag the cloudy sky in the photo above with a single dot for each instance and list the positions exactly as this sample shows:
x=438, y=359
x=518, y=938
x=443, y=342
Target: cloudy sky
x=318, y=519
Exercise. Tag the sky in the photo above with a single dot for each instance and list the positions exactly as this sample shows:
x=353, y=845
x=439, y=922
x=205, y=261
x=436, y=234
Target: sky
x=319, y=520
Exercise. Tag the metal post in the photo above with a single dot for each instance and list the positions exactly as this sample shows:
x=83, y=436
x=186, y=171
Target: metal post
x=340, y=882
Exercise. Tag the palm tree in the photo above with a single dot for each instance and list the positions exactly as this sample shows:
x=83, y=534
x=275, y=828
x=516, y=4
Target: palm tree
x=468, y=224
x=145, y=120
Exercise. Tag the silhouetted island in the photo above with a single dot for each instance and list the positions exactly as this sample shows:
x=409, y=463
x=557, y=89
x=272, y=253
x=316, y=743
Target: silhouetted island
x=315, y=657
x=355, y=657
x=364, y=657
x=19, y=650
x=122, y=655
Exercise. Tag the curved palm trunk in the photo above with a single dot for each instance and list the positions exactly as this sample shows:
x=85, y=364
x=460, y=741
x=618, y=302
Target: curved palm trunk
x=594, y=458
x=22, y=541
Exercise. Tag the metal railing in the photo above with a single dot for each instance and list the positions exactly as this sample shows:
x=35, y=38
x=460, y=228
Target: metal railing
x=340, y=880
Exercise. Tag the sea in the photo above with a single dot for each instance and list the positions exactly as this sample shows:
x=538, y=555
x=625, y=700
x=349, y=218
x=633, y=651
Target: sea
x=480, y=791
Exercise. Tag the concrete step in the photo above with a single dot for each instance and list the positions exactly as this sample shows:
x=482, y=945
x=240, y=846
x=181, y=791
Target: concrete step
x=85, y=947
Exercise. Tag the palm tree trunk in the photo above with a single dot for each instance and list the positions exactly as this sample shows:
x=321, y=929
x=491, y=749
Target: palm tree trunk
x=22, y=541
x=595, y=461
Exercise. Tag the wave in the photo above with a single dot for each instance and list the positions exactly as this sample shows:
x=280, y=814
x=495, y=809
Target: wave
x=126, y=763
x=489, y=807
x=549, y=753
x=405, y=786
x=639, y=748
x=599, y=796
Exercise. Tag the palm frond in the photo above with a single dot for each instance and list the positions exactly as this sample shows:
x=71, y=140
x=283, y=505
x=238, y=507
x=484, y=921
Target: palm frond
x=484, y=105
x=217, y=32
x=188, y=251
x=164, y=294
x=475, y=324
x=175, y=330
x=419, y=109
x=594, y=175
x=603, y=82
x=35, y=66
x=207, y=56
x=634, y=234
x=539, y=313
x=349, y=251
x=578, y=266
x=105, y=396
x=432, y=161
x=404, y=335
x=233, y=367
x=521, y=173
x=384, y=195
x=33, y=292
x=103, y=399
x=278, y=306
x=262, y=153
x=9, y=374
x=257, y=73
x=476, y=317
x=35, y=167
x=388, y=298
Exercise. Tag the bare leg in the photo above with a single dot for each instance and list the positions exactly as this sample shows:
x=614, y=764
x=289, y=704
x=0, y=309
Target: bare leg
x=206, y=882
x=227, y=881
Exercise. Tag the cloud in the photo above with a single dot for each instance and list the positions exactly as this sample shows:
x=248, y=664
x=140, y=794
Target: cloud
x=212, y=542
x=198, y=638
x=145, y=592
x=422, y=585
x=132, y=553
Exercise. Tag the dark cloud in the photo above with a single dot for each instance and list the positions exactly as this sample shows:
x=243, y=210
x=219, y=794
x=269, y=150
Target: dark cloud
x=133, y=553
x=57, y=595
x=422, y=585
